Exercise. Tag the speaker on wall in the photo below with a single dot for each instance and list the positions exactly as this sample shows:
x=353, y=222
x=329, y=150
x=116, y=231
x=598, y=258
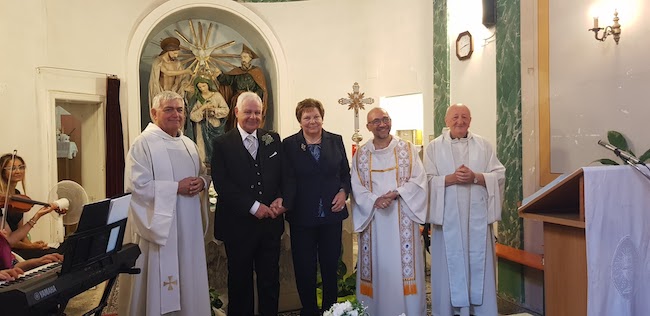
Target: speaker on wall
x=489, y=13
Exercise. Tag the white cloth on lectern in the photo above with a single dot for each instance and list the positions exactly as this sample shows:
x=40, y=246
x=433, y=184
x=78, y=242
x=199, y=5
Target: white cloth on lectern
x=166, y=226
x=617, y=216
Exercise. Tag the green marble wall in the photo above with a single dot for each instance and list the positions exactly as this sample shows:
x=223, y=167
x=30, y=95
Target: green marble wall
x=440, y=65
x=509, y=143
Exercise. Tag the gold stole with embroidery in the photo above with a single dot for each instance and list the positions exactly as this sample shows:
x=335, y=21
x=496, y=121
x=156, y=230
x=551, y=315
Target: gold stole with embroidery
x=403, y=159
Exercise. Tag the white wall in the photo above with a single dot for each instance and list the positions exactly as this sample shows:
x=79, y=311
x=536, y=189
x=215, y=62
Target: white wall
x=597, y=86
x=473, y=81
x=330, y=44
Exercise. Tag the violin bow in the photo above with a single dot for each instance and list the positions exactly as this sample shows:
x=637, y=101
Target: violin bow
x=2, y=214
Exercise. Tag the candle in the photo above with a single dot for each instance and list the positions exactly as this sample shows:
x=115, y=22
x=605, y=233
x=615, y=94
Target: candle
x=595, y=22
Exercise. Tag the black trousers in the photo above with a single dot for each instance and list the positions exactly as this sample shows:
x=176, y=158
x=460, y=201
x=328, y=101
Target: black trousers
x=260, y=253
x=310, y=244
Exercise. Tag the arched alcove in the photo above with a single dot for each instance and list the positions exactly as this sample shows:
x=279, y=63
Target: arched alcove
x=260, y=37
x=228, y=13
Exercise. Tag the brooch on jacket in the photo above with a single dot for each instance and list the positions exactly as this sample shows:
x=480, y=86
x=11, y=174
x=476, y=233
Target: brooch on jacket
x=267, y=139
x=303, y=146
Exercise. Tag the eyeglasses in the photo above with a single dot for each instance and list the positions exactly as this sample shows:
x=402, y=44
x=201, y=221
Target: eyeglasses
x=16, y=168
x=376, y=122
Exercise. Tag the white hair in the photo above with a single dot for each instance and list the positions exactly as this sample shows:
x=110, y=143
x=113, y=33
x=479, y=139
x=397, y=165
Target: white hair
x=164, y=97
x=248, y=95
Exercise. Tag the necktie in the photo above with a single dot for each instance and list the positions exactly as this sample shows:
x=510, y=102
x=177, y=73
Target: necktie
x=251, y=145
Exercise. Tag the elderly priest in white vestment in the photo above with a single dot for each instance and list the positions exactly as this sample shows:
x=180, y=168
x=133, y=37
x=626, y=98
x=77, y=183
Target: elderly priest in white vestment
x=389, y=203
x=465, y=183
x=165, y=175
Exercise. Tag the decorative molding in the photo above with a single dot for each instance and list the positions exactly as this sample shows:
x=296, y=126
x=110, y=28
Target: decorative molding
x=543, y=86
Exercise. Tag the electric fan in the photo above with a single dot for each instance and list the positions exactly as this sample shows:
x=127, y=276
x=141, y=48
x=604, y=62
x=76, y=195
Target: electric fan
x=77, y=197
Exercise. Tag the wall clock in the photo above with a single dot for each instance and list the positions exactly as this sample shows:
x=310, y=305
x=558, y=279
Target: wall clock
x=464, y=45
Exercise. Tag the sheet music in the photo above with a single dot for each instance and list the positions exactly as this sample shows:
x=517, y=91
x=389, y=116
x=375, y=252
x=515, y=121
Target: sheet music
x=118, y=210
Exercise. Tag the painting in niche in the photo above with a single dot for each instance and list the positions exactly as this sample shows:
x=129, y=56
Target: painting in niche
x=210, y=65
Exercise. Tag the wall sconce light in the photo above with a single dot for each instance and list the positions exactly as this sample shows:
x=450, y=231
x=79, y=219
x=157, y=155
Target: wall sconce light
x=614, y=29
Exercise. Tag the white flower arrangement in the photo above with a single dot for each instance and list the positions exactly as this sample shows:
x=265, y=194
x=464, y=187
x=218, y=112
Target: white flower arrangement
x=346, y=308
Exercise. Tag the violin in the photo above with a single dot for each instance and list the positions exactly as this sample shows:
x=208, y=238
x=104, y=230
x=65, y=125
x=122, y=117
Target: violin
x=23, y=203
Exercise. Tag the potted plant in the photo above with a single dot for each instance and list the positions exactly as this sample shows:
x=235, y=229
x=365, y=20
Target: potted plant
x=617, y=139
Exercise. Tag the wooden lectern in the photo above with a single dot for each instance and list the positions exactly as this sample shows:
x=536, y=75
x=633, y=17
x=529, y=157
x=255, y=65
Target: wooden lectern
x=561, y=207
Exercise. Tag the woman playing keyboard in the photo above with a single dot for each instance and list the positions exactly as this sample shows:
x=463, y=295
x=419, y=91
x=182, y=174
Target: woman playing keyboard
x=9, y=267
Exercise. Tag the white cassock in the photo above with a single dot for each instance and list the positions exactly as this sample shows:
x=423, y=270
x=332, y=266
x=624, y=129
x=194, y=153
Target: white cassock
x=462, y=240
x=390, y=267
x=167, y=227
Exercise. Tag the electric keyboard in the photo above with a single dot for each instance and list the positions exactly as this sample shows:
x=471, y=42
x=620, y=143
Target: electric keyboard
x=45, y=289
x=34, y=275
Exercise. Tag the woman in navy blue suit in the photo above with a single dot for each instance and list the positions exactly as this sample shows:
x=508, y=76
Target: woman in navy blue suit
x=317, y=164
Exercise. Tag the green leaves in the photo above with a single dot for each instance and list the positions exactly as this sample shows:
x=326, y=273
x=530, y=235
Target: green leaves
x=645, y=156
x=617, y=139
x=606, y=161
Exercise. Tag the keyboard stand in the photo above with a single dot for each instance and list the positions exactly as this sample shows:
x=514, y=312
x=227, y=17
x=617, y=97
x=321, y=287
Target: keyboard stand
x=97, y=311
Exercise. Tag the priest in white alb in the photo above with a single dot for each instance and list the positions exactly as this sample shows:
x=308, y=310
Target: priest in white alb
x=164, y=174
x=389, y=204
x=465, y=184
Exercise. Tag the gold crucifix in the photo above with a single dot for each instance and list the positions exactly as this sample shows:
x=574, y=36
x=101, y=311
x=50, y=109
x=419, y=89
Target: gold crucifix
x=170, y=284
x=356, y=101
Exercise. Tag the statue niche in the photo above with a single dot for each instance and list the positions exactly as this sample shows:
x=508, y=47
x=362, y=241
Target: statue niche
x=192, y=63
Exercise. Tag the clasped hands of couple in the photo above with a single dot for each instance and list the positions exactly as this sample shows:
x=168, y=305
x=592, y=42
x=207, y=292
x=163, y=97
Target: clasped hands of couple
x=276, y=208
x=272, y=211
x=190, y=186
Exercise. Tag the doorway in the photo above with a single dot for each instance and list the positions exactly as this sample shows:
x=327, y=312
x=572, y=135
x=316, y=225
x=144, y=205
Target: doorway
x=81, y=145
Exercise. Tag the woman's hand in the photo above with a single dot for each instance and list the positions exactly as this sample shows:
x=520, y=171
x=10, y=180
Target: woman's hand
x=10, y=274
x=43, y=211
x=39, y=245
x=33, y=263
x=338, y=202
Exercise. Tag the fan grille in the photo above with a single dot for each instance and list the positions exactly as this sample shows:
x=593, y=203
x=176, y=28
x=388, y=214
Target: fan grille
x=77, y=196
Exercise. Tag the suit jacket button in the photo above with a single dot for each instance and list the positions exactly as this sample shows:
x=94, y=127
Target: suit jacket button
x=260, y=192
x=252, y=186
x=259, y=183
x=255, y=165
x=258, y=173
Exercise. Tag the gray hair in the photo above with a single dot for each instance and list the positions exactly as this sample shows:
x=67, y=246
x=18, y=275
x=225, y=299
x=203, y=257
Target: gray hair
x=248, y=95
x=164, y=97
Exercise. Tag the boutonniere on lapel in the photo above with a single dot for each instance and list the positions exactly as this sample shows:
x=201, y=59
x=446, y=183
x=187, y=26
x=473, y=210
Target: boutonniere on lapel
x=267, y=139
x=303, y=146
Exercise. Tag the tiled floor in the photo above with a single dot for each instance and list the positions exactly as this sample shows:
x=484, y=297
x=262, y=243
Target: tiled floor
x=89, y=300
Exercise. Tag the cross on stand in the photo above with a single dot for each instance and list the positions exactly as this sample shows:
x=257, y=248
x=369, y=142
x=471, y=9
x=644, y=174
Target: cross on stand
x=356, y=101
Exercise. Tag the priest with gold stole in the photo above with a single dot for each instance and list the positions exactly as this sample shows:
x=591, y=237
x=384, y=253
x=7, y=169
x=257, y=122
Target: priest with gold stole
x=389, y=203
x=465, y=184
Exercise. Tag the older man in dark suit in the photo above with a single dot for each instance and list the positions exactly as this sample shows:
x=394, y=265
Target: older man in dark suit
x=247, y=175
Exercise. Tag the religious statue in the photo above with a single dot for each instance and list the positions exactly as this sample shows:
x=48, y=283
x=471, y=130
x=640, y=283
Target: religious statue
x=167, y=72
x=247, y=77
x=207, y=114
